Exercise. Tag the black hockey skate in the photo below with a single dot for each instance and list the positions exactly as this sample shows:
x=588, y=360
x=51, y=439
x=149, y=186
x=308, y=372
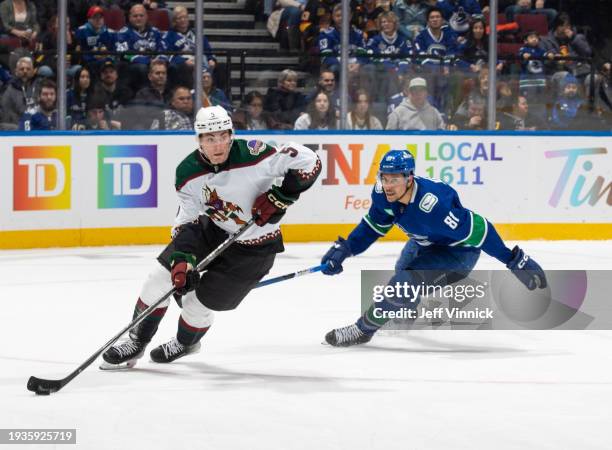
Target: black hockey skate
x=123, y=355
x=347, y=336
x=172, y=350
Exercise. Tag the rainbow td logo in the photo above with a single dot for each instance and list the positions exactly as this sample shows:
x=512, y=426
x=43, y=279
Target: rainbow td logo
x=127, y=176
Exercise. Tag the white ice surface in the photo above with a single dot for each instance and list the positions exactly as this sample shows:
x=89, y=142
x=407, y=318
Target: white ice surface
x=264, y=381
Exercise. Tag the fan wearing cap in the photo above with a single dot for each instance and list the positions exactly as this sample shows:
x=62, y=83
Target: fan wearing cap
x=94, y=36
x=114, y=93
x=221, y=185
x=446, y=240
x=415, y=112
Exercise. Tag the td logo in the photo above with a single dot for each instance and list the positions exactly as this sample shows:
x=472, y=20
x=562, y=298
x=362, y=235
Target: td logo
x=41, y=178
x=127, y=176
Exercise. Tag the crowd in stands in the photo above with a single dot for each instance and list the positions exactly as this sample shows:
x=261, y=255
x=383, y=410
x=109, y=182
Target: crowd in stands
x=413, y=65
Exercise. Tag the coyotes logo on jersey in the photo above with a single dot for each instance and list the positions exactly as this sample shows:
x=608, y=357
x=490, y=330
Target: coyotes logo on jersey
x=219, y=209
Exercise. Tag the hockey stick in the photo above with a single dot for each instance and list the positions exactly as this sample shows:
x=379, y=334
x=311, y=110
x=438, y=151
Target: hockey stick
x=42, y=386
x=288, y=276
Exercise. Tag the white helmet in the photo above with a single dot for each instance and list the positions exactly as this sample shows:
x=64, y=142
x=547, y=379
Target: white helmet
x=211, y=119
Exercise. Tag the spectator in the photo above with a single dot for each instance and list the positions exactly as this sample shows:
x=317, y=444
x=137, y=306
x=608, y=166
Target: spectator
x=478, y=92
x=525, y=7
x=475, y=120
x=327, y=83
x=211, y=95
x=437, y=46
x=570, y=111
x=113, y=93
x=139, y=36
x=157, y=92
x=44, y=117
x=532, y=82
x=365, y=16
x=94, y=37
x=19, y=19
x=47, y=43
x=320, y=114
x=412, y=15
x=435, y=40
x=21, y=93
x=182, y=39
x=359, y=118
x=292, y=17
x=415, y=112
x=474, y=51
x=518, y=118
x=458, y=13
x=284, y=103
x=180, y=114
x=562, y=40
x=77, y=97
x=388, y=42
x=252, y=115
x=330, y=44
x=97, y=117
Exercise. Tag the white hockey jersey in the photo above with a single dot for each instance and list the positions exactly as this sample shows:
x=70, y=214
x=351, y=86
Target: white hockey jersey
x=226, y=192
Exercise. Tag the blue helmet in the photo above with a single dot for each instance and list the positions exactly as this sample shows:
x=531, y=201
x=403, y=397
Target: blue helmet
x=397, y=161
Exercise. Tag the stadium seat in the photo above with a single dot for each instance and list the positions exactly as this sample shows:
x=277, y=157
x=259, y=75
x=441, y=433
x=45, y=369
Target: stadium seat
x=159, y=18
x=114, y=19
x=12, y=42
x=501, y=18
x=536, y=22
x=508, y=49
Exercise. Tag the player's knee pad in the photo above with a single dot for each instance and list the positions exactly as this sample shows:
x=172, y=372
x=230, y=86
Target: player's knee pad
x=156, y=285
x=195, y=313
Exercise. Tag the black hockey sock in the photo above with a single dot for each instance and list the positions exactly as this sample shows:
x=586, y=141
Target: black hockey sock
x=146, y=329
x=188, y=335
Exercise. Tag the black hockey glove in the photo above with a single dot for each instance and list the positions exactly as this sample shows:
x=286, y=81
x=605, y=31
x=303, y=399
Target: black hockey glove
x=183, y=274
x=270, y=206
x=526, y=270
x=335, y=256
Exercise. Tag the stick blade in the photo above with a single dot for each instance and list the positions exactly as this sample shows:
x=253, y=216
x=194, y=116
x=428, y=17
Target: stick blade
x=43, y=387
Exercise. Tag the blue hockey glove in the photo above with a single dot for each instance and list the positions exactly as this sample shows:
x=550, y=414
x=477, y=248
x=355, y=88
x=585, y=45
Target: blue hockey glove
x=526, y=270
x=334, y=257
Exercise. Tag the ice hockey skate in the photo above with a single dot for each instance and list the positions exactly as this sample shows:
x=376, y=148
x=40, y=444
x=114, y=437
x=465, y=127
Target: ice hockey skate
x=347, y=336
x=123, y=355
x=172, y=350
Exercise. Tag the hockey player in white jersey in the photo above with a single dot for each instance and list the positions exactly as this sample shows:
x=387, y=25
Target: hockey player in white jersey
x=220, y=186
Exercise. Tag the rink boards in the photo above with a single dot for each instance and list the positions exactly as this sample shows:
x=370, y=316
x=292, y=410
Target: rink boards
x=75, y=189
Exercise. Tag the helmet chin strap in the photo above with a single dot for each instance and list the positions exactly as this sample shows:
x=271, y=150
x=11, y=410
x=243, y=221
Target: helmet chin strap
x=408, y=187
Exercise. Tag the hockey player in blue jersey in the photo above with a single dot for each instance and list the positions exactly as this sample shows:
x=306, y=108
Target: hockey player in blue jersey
x=444, y=246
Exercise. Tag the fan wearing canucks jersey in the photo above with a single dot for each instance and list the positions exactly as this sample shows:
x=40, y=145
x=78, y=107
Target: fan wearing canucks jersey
x=221, y=185
x=445, y=241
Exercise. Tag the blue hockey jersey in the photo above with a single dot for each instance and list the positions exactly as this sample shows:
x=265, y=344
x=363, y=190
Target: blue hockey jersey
x=380, y=45
x=434, y=216
x=426, y=44
x=185, y=42
x=128, y=39
x=532, y=70
x=330, y=46
x=36, y=120
x=89, y=41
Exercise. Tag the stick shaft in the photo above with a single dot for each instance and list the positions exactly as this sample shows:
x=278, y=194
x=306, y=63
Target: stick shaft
x=288, y=276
